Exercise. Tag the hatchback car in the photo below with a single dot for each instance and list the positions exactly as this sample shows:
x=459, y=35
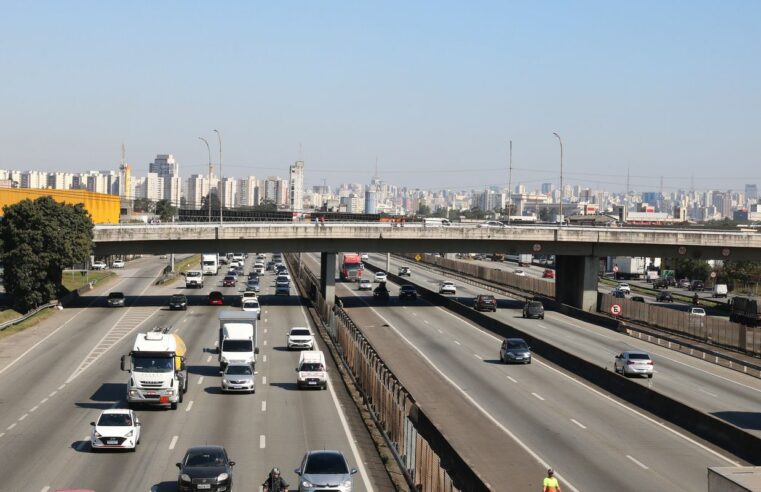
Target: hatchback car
x=633, y=362
x=485, y=302
x=205, y=468
x=282, y=280
x=324, y=470
x=447, y=287
x=116, y=428
x=664, y=296
x=379, y=277
x=548, y=273
x=300, y=338
x=365, y=284
x=405, y=271
x=637, y=298
x=216, y=298
x=238, y=378
x=515, y=350
x=253, y=285
x=283, y=290
x=251, y=304
x=618, y=293
x=229, y=281
x=407, y=292
x=116, y=299
x=697, y=311
x=178, y=301
x=533, y=309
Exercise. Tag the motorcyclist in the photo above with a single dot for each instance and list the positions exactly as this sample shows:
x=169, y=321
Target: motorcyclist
x=381, y=290
x=695, y=299
x=274, y=482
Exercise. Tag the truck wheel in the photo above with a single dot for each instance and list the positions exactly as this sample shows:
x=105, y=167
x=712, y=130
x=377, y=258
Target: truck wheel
x=173, y=406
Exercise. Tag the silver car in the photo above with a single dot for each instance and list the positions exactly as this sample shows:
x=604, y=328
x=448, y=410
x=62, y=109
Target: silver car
x=324, y=470
x=238, y=377
x=634, y=362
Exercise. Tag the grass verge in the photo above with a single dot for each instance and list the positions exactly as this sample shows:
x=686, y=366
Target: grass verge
x=27, y=323
x=180, y=267
x=73, y=280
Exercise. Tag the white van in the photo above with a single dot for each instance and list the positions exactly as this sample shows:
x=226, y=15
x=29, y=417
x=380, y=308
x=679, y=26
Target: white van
x=436, y=222
x=720, y=290
x=312, y=371
x=237, y=345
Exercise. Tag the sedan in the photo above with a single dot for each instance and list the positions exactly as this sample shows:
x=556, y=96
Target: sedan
x=379, y=277
x=519, y=272
x=116, y=299
x=178, y=301
x=618, y=293
x=116, y=428
x=205, y=468
x=238, y=377
x=624, y=287
x=365, y=284
x=117, y=264
x=447, y=287
x=664, y=296
x=99, y=265
x=229, y=281
x=633, y=362
x=216, y=298
x=253, y=285
x=407, y=292
x=324, y=469
x=515, y=350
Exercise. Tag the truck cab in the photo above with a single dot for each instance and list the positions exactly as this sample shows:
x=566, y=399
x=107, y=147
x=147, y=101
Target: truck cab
x=158, y=375
x=238, y=343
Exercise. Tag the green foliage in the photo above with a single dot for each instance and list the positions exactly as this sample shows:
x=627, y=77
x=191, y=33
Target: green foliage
x=165, y=210
x=740, y=274
x=423, y=210
x=40, y=238
x=691, y=268
x=143, y=205
x=474, y=213
x=213, y=199
x=454, y=216
x=265, y=206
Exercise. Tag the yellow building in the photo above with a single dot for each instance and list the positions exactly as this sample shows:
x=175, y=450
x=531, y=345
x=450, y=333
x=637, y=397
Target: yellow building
x=103, y=208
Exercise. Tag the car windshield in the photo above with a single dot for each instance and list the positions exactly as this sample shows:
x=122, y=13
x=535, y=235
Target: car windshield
x=639, y=356
x=300, y=332
x=177, y=298
x=251, y=305
x=116, y=295
x=204, y=458
x=326, y=463
x=408, y=288
x=364, y=281
x=380, y=274
x=239, y=370
x=209, y=262
x=152, y=364
x=237, y=346
x=447, y=284
x=516, y=345
x=115, y=420
x=351, y=266
x=193, y=274
x=311, y=366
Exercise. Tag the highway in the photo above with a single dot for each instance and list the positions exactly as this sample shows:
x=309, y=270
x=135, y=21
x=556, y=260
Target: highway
x=594, y=441
x=727, y=394
x=55, y=378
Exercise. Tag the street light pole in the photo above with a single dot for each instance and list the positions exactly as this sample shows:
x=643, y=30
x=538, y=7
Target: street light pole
x=561, y=179
x=221, y=204
x=208, y=197
x=510, y=185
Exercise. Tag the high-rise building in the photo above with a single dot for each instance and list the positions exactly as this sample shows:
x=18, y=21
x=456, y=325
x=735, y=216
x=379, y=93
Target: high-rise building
x=198, y=188
x=60, y=181
x=228, y=187
x=34, y=179
x=296, y=186
x=751, y=193
x=248, y=192
x=276, y=191
x=152, y=187
x=371, y=200
x=547, y=188
x=165, y=166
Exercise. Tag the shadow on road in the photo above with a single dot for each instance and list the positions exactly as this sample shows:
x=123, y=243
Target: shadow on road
x=744, y=420
x=286, y=386
x=164, y=487
x=106, y=396
x=204, y=370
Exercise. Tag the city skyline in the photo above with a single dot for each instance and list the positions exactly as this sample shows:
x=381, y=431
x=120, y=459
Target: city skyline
x=434, y=94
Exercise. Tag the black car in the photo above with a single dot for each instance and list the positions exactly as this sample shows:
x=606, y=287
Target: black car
x=407, y=292
x=637, y=299
x=178, y=301
x=405, y=271
x=485, y=302
x=205, y=468
x=116, y=299
x=381, y=292
x=661, y=283
x=696, y=285
x=533, y=309
x=664, y=296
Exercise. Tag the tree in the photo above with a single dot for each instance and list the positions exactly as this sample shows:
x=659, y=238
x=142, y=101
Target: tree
x=544, y=215
x=143, y=205
x=165, y=210
x=423, y=210
x=212, y=198
x=40, y=238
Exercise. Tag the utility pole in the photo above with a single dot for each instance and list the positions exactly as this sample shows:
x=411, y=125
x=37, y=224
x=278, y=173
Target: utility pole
x=510, y=185
x=561, y=179
x=221, y=205
x=208, y=197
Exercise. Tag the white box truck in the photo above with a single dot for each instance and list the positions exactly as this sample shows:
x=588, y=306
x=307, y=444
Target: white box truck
x=210, y=263
x=156, y=364
x=238, y=341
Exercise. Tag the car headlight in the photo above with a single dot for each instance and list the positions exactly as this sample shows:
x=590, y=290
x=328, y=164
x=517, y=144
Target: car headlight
x=185, y=478
x=225, y=381
x=170, y=392
x=129, y=434
x=133, y=393
x=98, y=434
x=222, y=477
x=306, y=484
x=346, y=484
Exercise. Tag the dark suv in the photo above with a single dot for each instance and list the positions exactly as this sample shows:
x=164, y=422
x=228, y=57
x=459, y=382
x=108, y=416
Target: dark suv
x=696, y=285
x=407, y=292
x=485, y=302
x=664, y=296
x=661, y=283
x=533, y=309
x=178, y=301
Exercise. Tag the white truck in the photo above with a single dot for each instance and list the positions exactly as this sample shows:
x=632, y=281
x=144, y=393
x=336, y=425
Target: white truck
x=210, y=263
x=194, y=279
x=312, y=371
x=156, y=364
x=628, y=268
x=238, y=342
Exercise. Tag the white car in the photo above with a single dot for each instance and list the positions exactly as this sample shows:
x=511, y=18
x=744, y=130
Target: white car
x=117, y=264
x=300, y=338
x=697, y=311
x=491, y=223
x=380, y=277
x=364, y=256
x=365, y=284
x=520, y=273
x=251, y=304
x=633, y=362
x=624, y=287
x=447, y=287
x=116, y=428
x=99, y=265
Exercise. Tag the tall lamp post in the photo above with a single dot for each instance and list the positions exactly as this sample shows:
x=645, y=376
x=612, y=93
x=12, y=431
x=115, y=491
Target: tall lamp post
x=208, y=199
x=221, y=204
x=561, y=178
x=509, y=185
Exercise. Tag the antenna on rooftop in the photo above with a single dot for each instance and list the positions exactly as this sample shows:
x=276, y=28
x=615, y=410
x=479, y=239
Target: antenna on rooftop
x=124, y=158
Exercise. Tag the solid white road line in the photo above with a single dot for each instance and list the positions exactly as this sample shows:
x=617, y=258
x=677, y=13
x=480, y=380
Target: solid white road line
x=265, y=343
x=190, y=405
x=639, y=463
x=23, y=417
x=538, y=396
x=173, y=442
x=262, y=441
x=708, y=393
x=264, y=406
x=578, y=423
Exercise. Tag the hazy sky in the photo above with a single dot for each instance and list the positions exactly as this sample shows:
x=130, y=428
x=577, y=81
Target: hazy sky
x=434, y=90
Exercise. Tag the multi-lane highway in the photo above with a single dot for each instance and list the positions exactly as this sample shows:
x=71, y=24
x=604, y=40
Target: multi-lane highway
x=595, y=441
x=55, y=379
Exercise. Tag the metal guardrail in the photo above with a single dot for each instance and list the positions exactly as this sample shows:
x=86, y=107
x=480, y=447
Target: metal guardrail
x=28, y=315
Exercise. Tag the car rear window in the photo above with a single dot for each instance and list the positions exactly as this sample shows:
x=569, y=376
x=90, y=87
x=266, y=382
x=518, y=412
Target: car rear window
x=639, y=356
x=487, y=298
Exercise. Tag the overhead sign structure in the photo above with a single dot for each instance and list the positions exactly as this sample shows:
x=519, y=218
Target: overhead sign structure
x=615, y=310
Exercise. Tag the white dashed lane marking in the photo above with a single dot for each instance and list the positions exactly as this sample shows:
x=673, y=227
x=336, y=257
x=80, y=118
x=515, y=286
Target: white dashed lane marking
x=512, y=379
x=458, y=343
x=639, y=463
x=190, y=405
x=578, y=423
x=264, y=406
x=173, y=442
x=538, y=396
x=262, y=441
x=200, y=380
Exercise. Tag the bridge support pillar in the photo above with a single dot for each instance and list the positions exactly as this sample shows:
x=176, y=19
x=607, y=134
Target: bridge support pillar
x=328, y=277
x=576, y=281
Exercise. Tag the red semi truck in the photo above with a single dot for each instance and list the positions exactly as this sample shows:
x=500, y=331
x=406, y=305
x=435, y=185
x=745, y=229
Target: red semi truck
x=351, y=267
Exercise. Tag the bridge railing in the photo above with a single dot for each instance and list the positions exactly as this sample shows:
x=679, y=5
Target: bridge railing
x=391, y=405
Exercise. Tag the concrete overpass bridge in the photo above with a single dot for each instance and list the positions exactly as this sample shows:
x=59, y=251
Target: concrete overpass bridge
x=576, y=248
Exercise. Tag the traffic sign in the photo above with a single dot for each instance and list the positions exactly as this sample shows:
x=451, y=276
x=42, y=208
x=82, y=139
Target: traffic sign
x=713, y=274
x=615, y=309
x=615, y=268
x=418, y=257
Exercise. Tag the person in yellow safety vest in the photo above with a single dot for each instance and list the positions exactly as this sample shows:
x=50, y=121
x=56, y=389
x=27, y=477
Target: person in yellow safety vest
x=550, y=482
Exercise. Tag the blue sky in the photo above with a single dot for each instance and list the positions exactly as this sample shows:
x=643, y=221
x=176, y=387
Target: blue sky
x=434, y=90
